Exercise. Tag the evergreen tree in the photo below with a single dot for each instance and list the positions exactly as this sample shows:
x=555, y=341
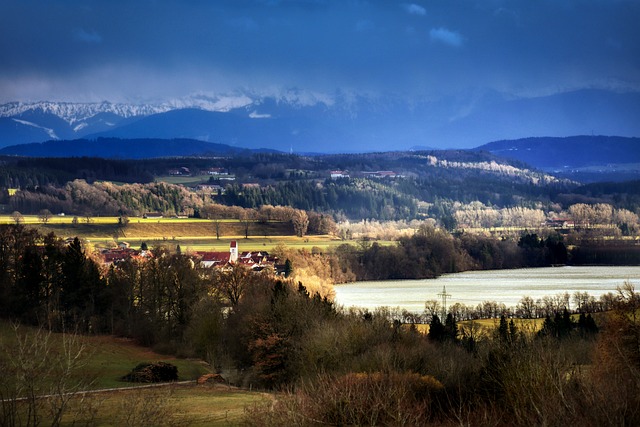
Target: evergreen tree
x=450, y=328
x=436, y=329
x=503, y=329
x=288, y=268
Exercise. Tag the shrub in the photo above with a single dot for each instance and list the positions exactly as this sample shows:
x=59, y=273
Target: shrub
x=356, y=399
x=152, y=373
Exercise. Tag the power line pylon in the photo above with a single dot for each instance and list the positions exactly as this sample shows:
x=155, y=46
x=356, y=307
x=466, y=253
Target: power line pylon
x=444, y=295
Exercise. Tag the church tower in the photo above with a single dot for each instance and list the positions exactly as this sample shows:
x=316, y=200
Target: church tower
x=233, y=251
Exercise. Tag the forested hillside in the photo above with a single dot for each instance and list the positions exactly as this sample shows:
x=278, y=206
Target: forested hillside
x=384, y=186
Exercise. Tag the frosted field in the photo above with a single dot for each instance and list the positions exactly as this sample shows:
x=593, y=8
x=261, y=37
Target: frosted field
x=474, y=287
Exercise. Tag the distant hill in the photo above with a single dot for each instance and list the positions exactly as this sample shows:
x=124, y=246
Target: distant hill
x=115, y=148
x=587, y=157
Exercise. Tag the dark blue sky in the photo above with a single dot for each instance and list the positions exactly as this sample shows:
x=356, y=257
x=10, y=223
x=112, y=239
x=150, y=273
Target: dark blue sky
x=144, y=50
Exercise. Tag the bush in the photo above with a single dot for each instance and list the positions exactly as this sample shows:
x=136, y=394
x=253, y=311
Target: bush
x=356, y=399
x=152, y=373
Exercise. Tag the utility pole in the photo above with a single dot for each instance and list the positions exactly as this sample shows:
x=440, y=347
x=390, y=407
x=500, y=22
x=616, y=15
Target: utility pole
x=444, y=295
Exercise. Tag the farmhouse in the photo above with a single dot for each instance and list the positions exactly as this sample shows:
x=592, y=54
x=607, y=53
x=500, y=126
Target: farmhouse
x=209, y=188
x=560, y=223
x=217, y=171
x=152, y=215
x=339, y=174
x=182, y=171
x=123, y=253
x=381, y=174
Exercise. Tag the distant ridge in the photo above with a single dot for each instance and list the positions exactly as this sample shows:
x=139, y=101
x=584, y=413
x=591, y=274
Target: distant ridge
x=116, y=148
x=568, y=152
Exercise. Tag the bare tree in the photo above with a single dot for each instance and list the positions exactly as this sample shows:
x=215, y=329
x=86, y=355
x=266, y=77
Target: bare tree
x=17, y=217
x=246, y=220
x=233, y=281
x=431, y=307
x=300, y=221
x=41, y=374
x=527, y=307
x=45, y=215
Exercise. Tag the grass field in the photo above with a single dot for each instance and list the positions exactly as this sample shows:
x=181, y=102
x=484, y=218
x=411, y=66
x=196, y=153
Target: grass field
x=190, y=233
x=173, y=405
x=109, y=358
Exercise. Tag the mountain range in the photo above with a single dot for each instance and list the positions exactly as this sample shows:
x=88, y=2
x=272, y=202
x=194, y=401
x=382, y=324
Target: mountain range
x=303, y=122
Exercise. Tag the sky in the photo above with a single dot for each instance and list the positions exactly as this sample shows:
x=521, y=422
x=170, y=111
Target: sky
x=153, y=50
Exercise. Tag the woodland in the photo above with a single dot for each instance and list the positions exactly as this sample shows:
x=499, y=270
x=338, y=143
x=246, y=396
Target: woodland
x=337, y=366
x=545, y=362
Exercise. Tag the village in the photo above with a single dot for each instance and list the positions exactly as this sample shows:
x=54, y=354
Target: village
x=256, y=261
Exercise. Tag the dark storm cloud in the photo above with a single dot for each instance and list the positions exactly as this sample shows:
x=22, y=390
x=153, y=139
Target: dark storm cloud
x=120, y=50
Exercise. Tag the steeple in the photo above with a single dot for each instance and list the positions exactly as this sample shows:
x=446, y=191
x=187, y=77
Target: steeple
x=233, y=251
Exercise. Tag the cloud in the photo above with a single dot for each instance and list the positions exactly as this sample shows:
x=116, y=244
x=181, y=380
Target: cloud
x=89, y=37
x=448, y=37
x=415, y=9
x=163, y=48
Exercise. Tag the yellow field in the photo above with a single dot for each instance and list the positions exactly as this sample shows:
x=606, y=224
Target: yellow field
x=486, y=326
x=191, y=234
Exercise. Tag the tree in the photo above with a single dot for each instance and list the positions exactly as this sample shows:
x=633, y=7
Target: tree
x=33, y=366
x=300, y=221
x=233, y=281
x=431, y=308
x=450, y=328
x=288, y=268
x=527, y=307
x=44, y=215
x=17, y=217
x=82, y=287
x=436, y=329
x=245, y=220
x=216, y=226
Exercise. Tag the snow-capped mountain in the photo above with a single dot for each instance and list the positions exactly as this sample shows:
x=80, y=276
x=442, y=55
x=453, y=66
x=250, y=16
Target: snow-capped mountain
x=22, y=122
x=75, y=113
x=305, y=121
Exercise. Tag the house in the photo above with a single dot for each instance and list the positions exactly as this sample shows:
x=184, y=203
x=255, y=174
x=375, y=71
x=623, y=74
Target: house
x=218, y=259
x=213, y=259
x=217, y=171
x=209, y=188
x=152, y=215
x=122, y=253
x=181, y=171
x=339, y=174
x=560, y=223
x=381, y=174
